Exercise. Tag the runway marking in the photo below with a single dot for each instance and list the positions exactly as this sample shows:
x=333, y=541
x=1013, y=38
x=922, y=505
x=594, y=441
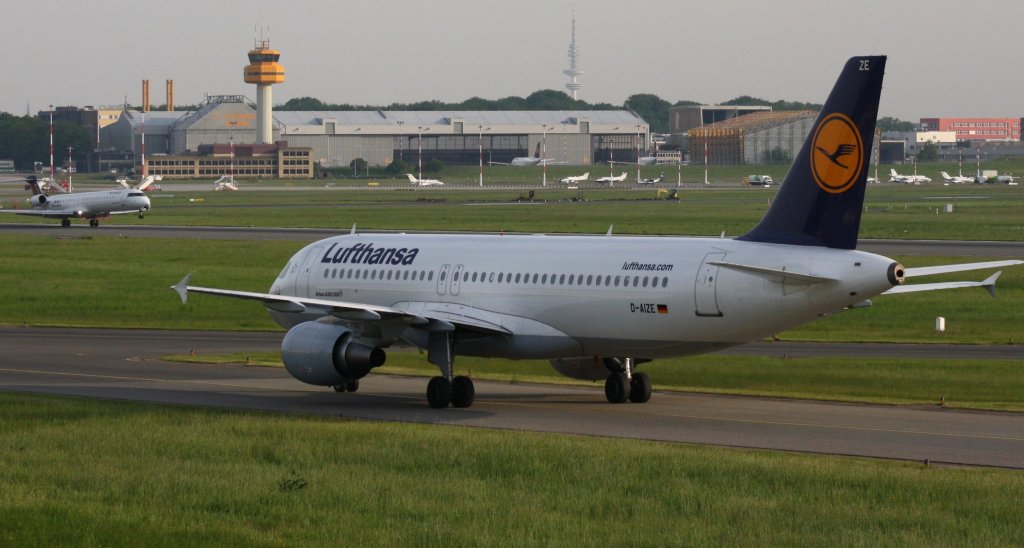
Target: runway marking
x=538, y=406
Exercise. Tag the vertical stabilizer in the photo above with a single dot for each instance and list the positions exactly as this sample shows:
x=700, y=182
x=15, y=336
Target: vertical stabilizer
x=820, y=201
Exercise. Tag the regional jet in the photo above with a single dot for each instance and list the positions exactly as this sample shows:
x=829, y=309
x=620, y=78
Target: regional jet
x=610, y=179
x=573, y=179
x=957, y=180
x=907, y=179
x=83, y=205
x=597, y=307
x=423, y=182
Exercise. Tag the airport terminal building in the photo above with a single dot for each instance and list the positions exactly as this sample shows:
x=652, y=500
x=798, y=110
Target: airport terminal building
x=178, y=142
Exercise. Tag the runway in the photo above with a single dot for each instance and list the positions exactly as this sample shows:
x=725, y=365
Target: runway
x=124, y=365
x=884, y=247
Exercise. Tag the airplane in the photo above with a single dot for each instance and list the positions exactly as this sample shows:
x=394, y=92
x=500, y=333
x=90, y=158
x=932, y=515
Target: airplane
x=655, y=181
x=524, y=161
x=610, y=179
x=423, y=182
x=907, y=179
x=83, y=205
x=958, y=180
x=575, y=178
x=1007, y=179
x=597, y=307
x=226, y=182
x=145, y=184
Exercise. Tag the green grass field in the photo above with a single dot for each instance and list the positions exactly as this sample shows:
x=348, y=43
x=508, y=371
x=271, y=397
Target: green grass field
x=93, y=473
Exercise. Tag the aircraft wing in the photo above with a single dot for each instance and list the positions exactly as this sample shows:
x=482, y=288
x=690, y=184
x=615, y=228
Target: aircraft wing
x=343, y=310
x=47, y=213
x=989, y=284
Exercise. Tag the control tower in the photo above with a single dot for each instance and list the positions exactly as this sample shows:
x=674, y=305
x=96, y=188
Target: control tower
x=264, y=71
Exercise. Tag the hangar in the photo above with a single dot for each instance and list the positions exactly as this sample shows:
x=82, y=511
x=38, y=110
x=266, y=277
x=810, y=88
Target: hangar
x=336, y=138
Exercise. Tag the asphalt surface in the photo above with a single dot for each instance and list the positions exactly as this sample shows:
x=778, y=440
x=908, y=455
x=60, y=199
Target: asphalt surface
x=883, y=247
x=125, y=365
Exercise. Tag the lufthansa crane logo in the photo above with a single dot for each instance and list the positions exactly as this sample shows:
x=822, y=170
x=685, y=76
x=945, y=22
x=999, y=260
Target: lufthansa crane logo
x=837, y=154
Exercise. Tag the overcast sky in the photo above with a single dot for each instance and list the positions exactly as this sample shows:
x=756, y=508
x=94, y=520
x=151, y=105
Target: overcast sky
x=946, y=58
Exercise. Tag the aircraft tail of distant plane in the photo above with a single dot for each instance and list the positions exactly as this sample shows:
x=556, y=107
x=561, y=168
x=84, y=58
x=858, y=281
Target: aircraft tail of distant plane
x=31, y=183
x=820, y=201
x=412, y=179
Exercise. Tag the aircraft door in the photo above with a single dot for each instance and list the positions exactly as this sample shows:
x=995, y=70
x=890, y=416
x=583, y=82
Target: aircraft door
x=442, y=279
x=305, y=270
x=457, y=279
x=705, y=286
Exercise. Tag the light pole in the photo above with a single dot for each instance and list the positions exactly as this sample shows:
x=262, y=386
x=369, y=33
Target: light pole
x=638, y=153
x=70, y=169
x=544, y=153
x=401, y=140
x=480, y=142
x=419, y=149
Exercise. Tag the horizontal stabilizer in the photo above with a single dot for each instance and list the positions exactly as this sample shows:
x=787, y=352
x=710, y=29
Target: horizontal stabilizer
x=989, y=284
x=945, y=269
x=775, y=272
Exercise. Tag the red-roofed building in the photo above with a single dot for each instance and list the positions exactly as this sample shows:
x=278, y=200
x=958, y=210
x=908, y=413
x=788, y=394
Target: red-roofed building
x=976, y=129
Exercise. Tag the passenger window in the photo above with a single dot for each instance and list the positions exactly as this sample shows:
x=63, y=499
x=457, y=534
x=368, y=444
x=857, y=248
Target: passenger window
x=517, y=277
x=544, y=279
x=617, y=278
x=501, y=276
x=474, y=276
x=490, y=277
x=534, y=278
x=571, y=278
x=664, y=282
x=636, y=281
x=645, y=281
x=326, y=273
x=430, y=276
x=590, y=278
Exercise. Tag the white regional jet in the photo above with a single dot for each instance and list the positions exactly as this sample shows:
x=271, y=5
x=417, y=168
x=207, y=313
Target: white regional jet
x=610, y=179
x=573, y=179
x=597, y=306
x=957, y=179
x=907, y=179
x=83, y=205
x=423, y=182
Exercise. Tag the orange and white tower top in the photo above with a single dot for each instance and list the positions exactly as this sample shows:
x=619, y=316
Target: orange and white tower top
x=264, y=71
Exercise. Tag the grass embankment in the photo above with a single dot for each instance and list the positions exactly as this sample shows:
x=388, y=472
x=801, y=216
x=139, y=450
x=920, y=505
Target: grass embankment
x=105, y=473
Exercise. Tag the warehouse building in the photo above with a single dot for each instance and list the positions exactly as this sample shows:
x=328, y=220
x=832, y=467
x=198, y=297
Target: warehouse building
x=754, y=138
x=336, y=138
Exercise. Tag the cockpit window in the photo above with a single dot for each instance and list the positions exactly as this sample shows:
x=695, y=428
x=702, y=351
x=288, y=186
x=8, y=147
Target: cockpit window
x=135, y=194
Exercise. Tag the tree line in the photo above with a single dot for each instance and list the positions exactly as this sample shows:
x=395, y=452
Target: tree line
x=26, y=140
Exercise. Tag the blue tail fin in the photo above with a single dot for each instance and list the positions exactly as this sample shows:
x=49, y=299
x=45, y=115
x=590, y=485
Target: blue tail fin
x=31, y=183
x=820, y=201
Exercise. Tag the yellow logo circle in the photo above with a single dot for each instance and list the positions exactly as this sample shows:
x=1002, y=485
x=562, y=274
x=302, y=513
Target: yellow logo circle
x=837, y=153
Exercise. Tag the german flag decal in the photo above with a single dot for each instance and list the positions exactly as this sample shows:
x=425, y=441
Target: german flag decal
x=837, y=155
x=662, y=309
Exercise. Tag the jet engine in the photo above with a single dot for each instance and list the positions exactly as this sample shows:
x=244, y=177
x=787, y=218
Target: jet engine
x=37, y=200
x=327, y=355
x=584, y=369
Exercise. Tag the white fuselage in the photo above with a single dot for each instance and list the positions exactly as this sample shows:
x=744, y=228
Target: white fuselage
x=565, y=296
x=95, y=204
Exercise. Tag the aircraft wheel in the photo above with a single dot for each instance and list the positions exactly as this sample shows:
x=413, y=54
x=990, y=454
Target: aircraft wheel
x=339, y=387
x=439, y=392
x=65, y=223
x=640, y=388
x=352, y=385
x=463, y=392
x=616, y=388
x=93, y=223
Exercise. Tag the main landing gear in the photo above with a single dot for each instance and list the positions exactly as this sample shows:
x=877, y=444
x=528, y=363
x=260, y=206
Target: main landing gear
x=447, y=388
x=625, y=385
x=349, y=386
x=94, y=223
x=65, y=223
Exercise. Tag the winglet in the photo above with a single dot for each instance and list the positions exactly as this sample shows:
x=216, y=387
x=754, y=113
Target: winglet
x=353, y=229
x=609, y=233
x=990, y=283
x=182, y=288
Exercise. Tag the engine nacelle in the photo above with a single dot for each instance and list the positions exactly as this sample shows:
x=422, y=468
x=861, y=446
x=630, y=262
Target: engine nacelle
x=37, y=200
x=327, y=355
x=584, y=369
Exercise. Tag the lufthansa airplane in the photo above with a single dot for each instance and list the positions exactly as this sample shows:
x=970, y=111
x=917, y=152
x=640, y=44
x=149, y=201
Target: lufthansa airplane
x=83, y=205
x=597, y=307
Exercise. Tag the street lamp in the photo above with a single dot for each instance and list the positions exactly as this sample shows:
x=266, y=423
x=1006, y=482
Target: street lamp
x=544, y=152
x=480, y=142
x=638, y=153
x=401, y=140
